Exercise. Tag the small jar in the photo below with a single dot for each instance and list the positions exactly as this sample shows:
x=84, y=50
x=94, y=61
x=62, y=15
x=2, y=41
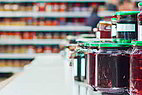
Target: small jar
x=112, y=71
x=127, y=27
x=104, y=27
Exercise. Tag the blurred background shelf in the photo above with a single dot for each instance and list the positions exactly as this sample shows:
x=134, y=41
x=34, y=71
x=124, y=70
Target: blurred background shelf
x=10, y=69
x=20, y=1
x=46, y=28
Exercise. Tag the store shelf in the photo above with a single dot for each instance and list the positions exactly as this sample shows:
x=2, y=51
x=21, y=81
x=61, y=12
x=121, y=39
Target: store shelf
x=10, y=69
x=44, y=14
x=72, y=1
x=46, y=28
x=53, y=14
x=22, y=56
x=32, y=42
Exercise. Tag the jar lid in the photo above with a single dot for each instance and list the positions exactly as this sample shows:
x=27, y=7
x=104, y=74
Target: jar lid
x=137, y=43
x=121, y=41
x=113, y=19
x=127, y=13
x=117, y=45
x=140, y=4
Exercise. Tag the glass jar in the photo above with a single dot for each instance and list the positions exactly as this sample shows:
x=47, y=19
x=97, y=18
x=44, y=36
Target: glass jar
x=91, y=63
x=104, y=27
x=136, y=69
x=140, y=22
x=127, y=25
x=112, y=67
x=79, y=66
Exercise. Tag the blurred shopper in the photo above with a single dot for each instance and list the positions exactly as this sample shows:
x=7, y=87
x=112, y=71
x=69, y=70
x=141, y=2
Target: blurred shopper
x=94, y=18
x=126, y=5
x=112, y=5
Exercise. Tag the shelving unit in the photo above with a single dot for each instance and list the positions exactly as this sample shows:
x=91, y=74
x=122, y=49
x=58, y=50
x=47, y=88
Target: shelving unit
x=70, y=29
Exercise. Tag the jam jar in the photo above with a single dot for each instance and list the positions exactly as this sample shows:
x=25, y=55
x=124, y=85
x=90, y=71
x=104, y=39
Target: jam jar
x=136, y=69
x=127, y=27
x=104, y=27
x=91, y=63
x=79, y=66
x=112, y=67
x=140, y=22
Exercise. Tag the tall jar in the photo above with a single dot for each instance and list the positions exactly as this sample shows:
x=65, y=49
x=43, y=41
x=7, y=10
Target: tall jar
x=136, y=69
x=140, y=22
x=91, y=63
x=127, y=25
x=112, y=68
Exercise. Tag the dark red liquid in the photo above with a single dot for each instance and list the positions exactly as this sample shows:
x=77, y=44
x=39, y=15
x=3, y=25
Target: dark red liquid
x=136, y=73
x=92, y=58
x=113, y=70
x=105, y=34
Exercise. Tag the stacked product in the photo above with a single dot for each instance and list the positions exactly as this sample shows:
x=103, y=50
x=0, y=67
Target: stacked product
x=111, y=62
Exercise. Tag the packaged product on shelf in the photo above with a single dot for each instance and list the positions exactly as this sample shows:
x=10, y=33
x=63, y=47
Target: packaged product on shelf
x=1, y=7
x=47, y=49
x=104, y=27
x=56, y=36
x=127, y=27
x=15, y=7
x=76, y=7
x=112, y=67
x=63, y=7
x=48, y=7
x=39, y=49
x=2, y=63
x=70, y=7
x=136, y=69
x=7, y=7
x=63, y=35
x=41, y=7
x=55, y=7
x=30, y=49
x=55, y=49
x=48, y=36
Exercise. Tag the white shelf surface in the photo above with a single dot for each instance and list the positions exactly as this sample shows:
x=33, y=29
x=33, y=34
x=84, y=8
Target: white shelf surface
x=22, y=56
x=10, y=69
x=32, y=42
x=46, y=28
x=44, y=14
x=53, y=0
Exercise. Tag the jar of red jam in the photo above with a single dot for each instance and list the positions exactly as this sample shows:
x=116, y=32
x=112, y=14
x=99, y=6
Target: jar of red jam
x=140, y=22
x=127, y=27
x=91, y=63
x=112, y=67
x=104, y=27
x=136, y=69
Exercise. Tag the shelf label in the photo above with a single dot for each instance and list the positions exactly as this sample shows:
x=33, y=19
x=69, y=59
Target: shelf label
x=126, y=27
x=83, y=67
x=140, y=32
x=75, y=67
x=113, y=29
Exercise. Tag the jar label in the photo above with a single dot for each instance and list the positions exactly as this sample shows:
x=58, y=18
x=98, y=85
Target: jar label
x=126, y=27
x=75, y=67
x=140, y=32
x=113, y=29
x=83, y=67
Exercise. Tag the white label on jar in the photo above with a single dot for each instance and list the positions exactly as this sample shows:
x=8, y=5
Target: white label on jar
x=98, y=35
x=113, y=30
x=83, y=67
x=140, y=32
x=75, y=67
x=126, y=27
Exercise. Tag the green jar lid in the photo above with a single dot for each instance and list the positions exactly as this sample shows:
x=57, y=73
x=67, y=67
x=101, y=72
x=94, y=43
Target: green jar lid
x=137, y=43
x=127, y=12
x=121, y=41
x=113, y=19
x=109, y=45
x=139, y=4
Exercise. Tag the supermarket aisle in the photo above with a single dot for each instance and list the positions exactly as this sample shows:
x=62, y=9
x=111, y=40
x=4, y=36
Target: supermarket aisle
x=46, y=76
